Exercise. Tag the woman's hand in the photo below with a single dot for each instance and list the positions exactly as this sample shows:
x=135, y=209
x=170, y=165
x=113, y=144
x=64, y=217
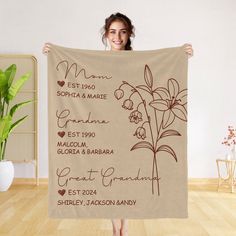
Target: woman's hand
x=188, y=49
x=46, y=48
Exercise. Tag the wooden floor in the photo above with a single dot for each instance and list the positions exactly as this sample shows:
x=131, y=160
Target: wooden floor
x=23, y=211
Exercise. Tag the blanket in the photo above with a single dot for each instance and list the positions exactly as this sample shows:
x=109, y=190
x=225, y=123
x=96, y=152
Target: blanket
x=117, y=125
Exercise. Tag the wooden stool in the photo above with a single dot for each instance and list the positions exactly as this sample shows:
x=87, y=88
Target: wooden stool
x=230, y=170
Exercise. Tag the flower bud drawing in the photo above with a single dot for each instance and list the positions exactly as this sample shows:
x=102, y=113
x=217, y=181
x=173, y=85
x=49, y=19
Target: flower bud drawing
x=128, y=104
x=119, y=93
x=140, y=133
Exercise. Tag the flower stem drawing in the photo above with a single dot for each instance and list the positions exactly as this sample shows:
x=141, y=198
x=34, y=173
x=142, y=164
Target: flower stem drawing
x=167, y=104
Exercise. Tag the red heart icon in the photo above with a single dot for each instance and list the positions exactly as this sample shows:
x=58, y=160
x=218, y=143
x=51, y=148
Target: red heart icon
x=61, y=83
x=62, y=192
x=61, y=134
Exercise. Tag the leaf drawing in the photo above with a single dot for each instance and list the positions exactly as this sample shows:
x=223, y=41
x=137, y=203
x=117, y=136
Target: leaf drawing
x=142, y=144
x=148, y=76
x=166, y=148
x=169, y=132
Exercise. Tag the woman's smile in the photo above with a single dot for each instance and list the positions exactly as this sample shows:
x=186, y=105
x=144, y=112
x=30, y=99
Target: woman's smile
x=117, y=35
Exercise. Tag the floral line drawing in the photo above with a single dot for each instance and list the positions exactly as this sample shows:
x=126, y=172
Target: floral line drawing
x=168, y=104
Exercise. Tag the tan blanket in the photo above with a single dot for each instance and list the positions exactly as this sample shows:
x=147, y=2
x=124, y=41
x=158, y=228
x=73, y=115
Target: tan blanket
x=117, y=133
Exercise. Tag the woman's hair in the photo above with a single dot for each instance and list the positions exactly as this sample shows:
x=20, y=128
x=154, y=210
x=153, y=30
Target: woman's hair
x=127, y=22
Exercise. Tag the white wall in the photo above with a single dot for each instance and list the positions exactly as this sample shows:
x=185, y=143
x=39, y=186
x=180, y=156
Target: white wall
x=210, y=25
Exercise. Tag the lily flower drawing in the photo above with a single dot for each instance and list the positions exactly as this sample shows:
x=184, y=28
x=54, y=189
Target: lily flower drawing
x=168, y=104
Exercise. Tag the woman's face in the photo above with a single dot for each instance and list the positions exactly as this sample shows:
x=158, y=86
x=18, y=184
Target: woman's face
x=117, y=35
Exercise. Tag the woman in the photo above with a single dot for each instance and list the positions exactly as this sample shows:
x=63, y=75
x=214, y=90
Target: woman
x=118, y=30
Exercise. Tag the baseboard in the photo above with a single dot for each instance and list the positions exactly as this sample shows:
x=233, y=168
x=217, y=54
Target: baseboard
x=203, y=183
x=192, y=182
x=29, y=181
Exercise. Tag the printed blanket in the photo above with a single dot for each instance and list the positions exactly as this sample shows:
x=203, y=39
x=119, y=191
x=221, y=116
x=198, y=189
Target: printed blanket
x=117, y=133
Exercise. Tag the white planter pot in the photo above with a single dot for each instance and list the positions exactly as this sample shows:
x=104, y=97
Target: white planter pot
x=6, y=175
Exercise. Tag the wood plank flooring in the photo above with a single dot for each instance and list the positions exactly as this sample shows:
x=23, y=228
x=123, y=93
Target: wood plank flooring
x=23, y=212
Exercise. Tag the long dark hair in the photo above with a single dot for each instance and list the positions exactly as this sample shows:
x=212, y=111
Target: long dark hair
x=127, y=22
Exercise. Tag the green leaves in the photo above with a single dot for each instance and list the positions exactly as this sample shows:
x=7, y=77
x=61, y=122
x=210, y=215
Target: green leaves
x=3, y=84
x=14, y=88
x=5, y=124
x=10, y=74
x=19, y=105
x=14, y=125
x=8, y=91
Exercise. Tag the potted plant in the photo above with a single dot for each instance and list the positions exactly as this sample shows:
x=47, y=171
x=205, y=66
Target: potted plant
x=8, y=91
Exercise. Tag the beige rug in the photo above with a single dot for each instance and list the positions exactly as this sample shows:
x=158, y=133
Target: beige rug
x=117, y=133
